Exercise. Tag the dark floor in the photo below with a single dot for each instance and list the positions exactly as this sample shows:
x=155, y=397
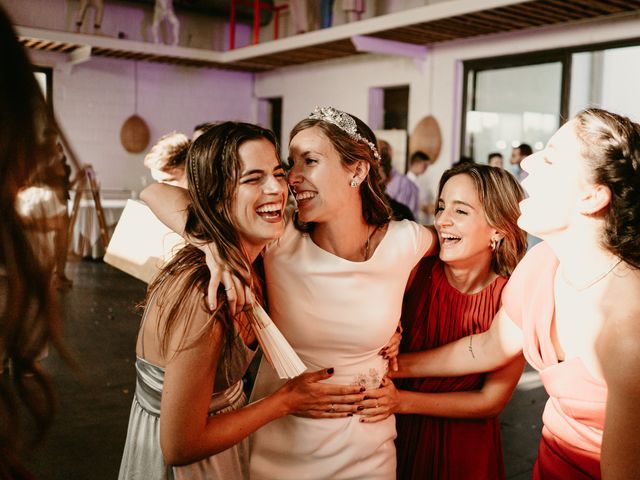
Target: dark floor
x=100, y=325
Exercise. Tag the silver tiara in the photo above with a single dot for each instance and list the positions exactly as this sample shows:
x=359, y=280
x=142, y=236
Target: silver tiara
x=344, y=122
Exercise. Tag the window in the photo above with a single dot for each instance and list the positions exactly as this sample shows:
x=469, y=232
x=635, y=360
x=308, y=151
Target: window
x=525, y=98
x=511, y=102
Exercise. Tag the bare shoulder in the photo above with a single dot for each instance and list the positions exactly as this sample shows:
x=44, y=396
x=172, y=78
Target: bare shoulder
x=183, y=303
x=618, y=344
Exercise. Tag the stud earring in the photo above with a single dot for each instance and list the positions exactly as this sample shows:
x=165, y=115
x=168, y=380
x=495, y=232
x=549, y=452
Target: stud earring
x=493, y=244
x=353, y=183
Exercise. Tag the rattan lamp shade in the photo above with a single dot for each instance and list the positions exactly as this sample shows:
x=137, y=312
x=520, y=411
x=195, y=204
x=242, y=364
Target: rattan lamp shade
x=426, y=137
x=134, y=134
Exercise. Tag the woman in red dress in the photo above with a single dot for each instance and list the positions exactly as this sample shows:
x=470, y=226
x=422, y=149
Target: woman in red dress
x=450, y=428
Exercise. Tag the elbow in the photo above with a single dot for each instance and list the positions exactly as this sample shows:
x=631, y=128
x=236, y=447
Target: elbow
x=175, y=453
x=180, y=451
x=186, y=450
x=491, y=411
x=146, y=195
x=494, y=408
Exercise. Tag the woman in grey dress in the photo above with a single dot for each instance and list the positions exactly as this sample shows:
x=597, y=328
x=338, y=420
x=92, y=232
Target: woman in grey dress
x=189, y=417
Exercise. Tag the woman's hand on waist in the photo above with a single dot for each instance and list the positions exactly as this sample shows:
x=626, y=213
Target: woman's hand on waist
x=391, y=350
x=306, y=396
x=378, y=404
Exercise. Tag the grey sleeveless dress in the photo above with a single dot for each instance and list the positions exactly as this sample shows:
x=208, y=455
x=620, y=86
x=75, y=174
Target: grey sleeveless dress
x=142, y=458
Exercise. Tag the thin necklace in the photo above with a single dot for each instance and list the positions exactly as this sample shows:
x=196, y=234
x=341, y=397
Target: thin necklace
x=593, y=281
x=366, y=245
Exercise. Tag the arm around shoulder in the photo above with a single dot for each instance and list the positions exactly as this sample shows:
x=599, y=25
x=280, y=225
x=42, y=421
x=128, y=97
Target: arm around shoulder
x=168, y=203
x=487, y=402
x=484, y=352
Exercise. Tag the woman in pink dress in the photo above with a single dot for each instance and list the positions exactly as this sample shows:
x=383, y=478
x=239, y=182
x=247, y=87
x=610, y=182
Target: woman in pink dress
x=572, y=305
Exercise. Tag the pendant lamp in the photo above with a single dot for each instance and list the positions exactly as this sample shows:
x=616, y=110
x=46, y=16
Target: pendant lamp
x=134, y=134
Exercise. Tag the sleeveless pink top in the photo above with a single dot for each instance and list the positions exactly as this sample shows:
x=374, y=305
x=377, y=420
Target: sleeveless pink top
x=574, y=415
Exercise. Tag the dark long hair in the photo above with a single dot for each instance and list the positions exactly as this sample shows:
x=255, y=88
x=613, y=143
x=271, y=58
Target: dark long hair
x=611, y=146
x=213, y=172
x=29, y=315
x=500, y=194
x=375, y=209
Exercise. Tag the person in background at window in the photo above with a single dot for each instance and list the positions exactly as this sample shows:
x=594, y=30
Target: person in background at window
x=462, y=160
x=450, y=426
x=573, y=302
x=418, y=164
x=518, y=154
x=398, y=186
x=495, y=159
x=400, y=210
x=166, y=159
x=29, y=314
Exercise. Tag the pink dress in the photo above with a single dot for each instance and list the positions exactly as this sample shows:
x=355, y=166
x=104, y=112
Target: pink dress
x=574, y=415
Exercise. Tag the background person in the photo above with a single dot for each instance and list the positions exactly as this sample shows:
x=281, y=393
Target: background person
x=167, y=157
x=398, y=186
x=518, y=154
x=495, y=159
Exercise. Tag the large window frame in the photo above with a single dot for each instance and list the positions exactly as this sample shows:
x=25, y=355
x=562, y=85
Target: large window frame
x=563, y=55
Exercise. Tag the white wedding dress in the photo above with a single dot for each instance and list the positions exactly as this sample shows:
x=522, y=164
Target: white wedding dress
x=335, y=313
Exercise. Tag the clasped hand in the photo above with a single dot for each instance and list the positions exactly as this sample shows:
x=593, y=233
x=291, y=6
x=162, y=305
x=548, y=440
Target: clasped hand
x=378, y=404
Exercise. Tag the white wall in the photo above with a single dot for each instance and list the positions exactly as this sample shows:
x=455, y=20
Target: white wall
x=436, y=88
x=93, y=100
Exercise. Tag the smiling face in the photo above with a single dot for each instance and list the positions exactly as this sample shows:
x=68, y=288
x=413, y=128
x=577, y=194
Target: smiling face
x=258, y=207
x=320, y=181
x=557, y=179
x=462, y=227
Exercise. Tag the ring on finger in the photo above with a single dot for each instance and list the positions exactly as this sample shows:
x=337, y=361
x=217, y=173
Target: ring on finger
x=331, y=408
x=377, y=405
x=227, y=289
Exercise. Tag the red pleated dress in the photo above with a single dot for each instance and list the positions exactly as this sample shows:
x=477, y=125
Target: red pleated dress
x=434, y=313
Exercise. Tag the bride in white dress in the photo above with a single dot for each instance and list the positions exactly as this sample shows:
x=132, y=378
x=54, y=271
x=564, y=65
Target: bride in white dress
x=335, y=282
